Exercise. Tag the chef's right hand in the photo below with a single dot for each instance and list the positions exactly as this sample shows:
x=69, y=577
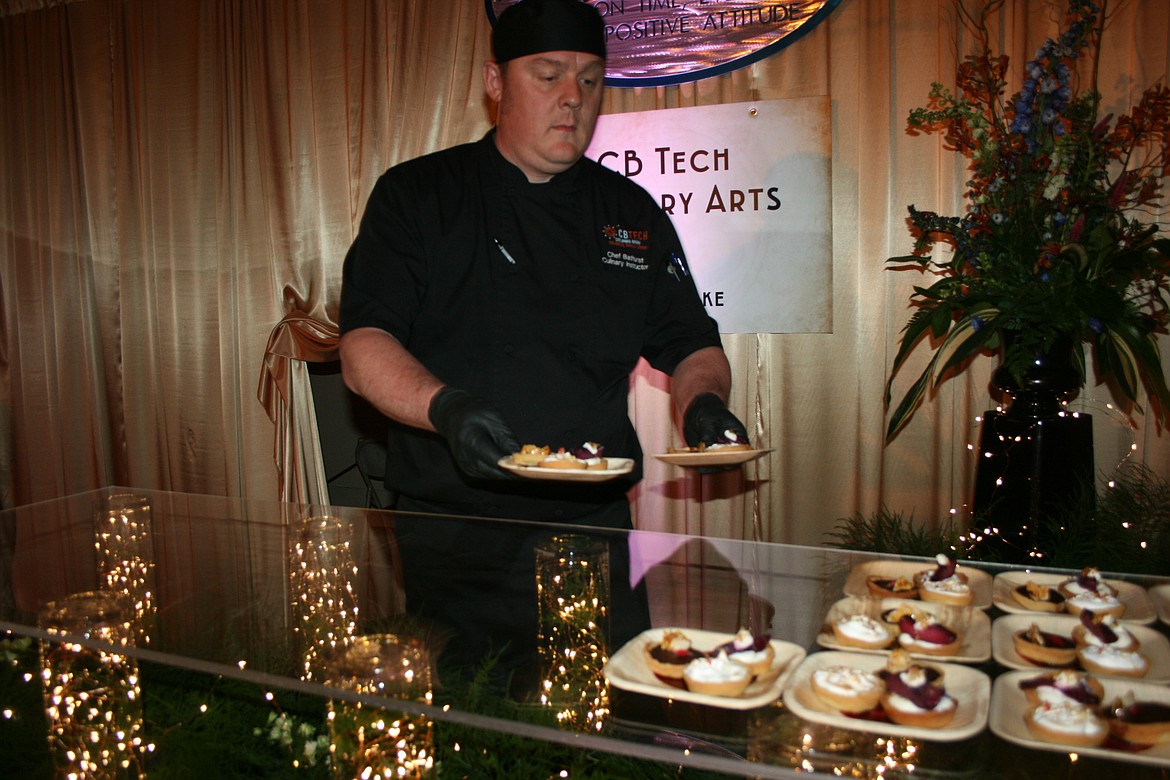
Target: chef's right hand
x=475, y=431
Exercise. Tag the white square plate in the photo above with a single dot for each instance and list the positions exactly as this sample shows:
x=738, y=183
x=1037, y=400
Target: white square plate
x=627, y=669
x=970, y=688
x=972, y=624
x=980, y=581
x=1009, y=705
x=1153, y=645
x=1138, y=608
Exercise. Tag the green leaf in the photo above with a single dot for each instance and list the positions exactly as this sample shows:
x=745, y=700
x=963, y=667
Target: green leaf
x=940, y=320
x=961, y=344
x=1142, y=354
x=901, y=415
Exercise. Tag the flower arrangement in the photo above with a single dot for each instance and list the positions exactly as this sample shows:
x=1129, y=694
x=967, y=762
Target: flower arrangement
x=1052, y=245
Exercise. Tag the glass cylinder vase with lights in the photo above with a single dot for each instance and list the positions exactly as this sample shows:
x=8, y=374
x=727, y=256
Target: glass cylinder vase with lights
x=1051, y=248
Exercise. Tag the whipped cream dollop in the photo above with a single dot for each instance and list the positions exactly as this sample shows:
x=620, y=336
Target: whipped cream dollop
x=717, y=669
x=1095, y=601
x=729, y=439
x=743, y=648
x=863, y=628
x=1112, y=658
x=1069, y=718
x=676, y=642
x=847, y=680
x=949, y=585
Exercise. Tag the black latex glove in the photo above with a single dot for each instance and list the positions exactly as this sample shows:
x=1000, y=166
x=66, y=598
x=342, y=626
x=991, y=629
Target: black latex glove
x=706, y=420
x=475, y=432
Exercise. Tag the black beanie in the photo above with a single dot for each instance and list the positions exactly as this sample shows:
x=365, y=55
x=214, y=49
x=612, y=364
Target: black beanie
x=534, y=26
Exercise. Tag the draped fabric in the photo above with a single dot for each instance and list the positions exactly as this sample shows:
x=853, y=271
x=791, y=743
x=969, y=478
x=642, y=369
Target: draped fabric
x=180, y=179
x=285, y=393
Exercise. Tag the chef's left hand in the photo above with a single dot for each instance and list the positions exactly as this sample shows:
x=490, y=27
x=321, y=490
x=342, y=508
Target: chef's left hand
x=707, y=421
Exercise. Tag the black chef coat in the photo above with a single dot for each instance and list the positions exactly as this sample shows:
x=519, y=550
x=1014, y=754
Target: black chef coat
x=538, y=298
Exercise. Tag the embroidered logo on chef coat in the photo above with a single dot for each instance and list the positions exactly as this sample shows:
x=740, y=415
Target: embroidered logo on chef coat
x=625, y=247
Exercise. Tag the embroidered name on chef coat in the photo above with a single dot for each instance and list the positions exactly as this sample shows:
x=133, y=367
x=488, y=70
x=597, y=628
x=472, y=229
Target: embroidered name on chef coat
x=625, y=247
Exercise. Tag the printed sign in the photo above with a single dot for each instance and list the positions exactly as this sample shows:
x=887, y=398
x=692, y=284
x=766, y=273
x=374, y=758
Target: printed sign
x=657, y=42
x=748, y=188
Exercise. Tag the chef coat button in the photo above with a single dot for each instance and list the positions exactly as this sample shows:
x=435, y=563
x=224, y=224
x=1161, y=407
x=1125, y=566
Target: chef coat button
x=574, y=277
x=509, y=349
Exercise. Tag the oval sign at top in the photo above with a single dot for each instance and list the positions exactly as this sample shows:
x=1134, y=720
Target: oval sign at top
x=659, y=42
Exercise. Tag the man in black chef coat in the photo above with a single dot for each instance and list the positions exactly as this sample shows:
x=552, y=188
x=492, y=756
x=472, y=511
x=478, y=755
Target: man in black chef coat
x=500, y=293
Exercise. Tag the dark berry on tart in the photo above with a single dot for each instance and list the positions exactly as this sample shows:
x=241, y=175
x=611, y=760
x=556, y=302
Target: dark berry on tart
x=1087, y=581
x=926, y=695
x=912, y=697
x=944, y=570
x=1098, y=628
x=922, y=633
x=1070, y=683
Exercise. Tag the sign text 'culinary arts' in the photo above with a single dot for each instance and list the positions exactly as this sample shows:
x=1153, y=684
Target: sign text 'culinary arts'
x=747, y=186
x=679, y=162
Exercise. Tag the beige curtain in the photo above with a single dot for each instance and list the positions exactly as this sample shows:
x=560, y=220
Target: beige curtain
x=180, y=179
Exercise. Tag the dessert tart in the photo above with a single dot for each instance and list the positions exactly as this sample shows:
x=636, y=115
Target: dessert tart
x=728, y=441
x=944, y=583
x=847, y=688
x=1044, y=647
x=589, y=455
x=1065, y=685
x=1088, y=581
x=1103, y=630
x=1066, y=723
x=754, y=652
x=1103, y=659
x=1139, y=722
x=716, y=676
x=1099, y=603
x=670, y=656
x=921, y=633
x=1038, y=598
x=911, y=698
x=891, y=587
x=530, y=455
x=862, y=631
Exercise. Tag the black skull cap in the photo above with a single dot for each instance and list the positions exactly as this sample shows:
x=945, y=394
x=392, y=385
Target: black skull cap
x=535, y=26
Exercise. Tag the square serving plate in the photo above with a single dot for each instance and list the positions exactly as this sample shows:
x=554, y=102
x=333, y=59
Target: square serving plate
x=627, y=670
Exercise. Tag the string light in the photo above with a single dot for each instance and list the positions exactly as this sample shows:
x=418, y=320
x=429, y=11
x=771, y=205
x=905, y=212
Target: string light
x=125, y=559
x=93, y=698
x=321, y=584
x=572, y=587
x=370, y=741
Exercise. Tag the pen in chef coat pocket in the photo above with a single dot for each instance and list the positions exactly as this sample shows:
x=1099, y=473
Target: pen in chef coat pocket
x=507, y=255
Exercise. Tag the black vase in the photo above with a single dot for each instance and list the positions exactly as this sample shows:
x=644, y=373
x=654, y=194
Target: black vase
x=1035, y=461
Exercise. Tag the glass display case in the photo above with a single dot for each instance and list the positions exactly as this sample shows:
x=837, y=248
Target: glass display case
x=313, y=600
